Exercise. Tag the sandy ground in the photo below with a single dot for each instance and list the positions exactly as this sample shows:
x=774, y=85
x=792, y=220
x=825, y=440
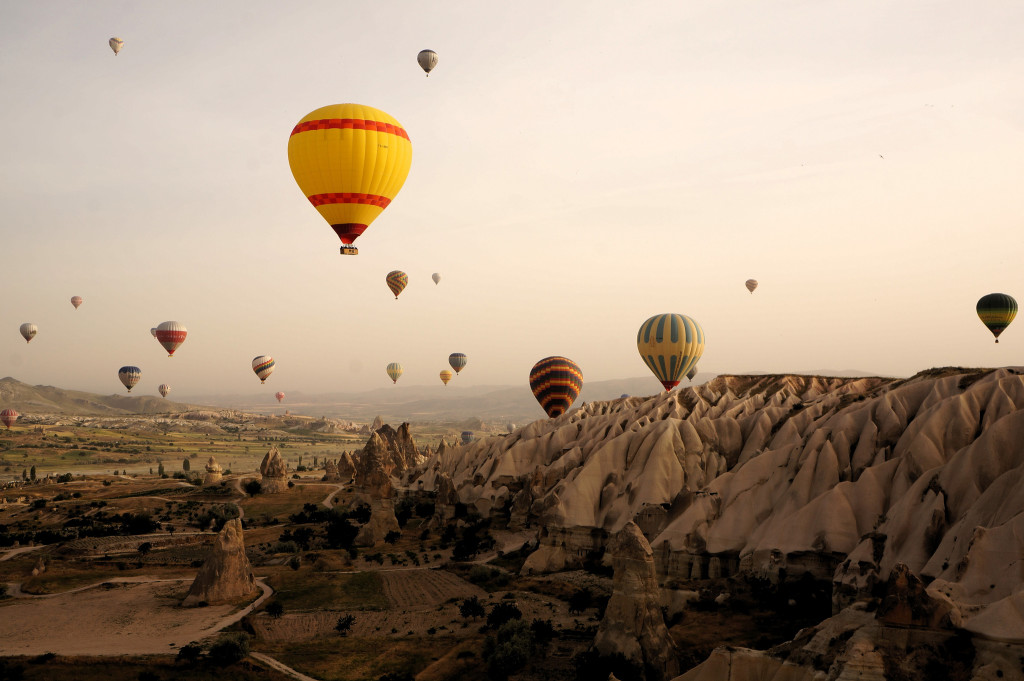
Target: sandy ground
x=112, y=618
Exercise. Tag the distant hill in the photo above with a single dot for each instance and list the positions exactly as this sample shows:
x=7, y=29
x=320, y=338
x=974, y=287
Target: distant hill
x=47, y=399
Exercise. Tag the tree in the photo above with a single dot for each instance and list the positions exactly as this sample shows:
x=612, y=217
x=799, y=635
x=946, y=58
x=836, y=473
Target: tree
x=32, y=473
x=344, y=624
x=160, y=468
x=145, y=547
x=253, y=487
x=503, y=612
x=275, y=610
x=392, y=537
x=229, y=649
x=24, y=474
x=472, y=607
x=509, y=649
x=186, y=466
x=190, y=653
x=580, y=600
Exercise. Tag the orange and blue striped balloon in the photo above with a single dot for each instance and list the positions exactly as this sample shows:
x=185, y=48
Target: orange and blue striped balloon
x=556, y=383
x=670, y=345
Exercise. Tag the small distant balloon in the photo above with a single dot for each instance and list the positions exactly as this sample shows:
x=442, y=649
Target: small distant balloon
x=427, y=60
x=115, y=44
x=436, y=277
x=171, y=335
x=751, y=284
x=397, y=280
x=129, y=376
x=446, y=376
x=394, y=371
x=263, y=366
x=153, y=332
x=691, y=373
x=458, y=361
x=510, y=427
x=28, y=331
x=556, y=383
x=467, y=437
x=8, y=417
x=76, y=301
x=623, y=396
x=996, y=311
x=279, y=396
x=164, y=389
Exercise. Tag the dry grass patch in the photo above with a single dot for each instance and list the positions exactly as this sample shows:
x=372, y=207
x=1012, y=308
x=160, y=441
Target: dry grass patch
x=307, y=589
x=338, y=658
x=61, y=668
x=283, y=504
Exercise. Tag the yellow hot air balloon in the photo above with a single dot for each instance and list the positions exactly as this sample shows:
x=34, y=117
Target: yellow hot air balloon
x=350, y=161
x=446, y=376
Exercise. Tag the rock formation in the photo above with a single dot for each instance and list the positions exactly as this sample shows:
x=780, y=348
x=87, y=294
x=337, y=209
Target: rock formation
x=331, y=471
x=275, y=475
x=633, y=624
x=346, y=466
x=214, y=472
x=401, y=453
x=375, y=487
x=226, y=575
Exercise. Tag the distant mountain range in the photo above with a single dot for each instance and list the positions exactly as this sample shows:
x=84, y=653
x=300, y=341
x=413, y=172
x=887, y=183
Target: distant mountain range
x=496, y=404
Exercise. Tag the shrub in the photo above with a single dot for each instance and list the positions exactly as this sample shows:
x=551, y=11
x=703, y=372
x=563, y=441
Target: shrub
x=509, y=649
x=229, y=649
x=471, y=607
x=392, y=537
x=580, y=600
x=253, y=487
x=344, y=623
x=275, y=610
x=503, y=613
x=190, y=653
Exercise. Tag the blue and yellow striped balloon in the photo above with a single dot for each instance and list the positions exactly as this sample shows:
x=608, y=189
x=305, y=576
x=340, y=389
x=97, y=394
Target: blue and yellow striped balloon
x=556, y=383
x=670, y=345
x=996, y=311
x=394, y=371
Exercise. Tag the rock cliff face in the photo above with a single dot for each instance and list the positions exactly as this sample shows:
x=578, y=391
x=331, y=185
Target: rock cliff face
x=633, y=624
x=775, y=476
x=226, y=574
x=275, y=475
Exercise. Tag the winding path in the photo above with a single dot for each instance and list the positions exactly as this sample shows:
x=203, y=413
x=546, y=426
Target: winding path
x=280, y=666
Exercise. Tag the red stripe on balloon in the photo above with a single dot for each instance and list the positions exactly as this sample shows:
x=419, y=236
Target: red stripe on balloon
x=350, y=124
x=349, y=197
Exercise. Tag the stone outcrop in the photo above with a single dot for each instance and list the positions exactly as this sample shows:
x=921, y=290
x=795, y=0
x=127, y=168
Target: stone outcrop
x=346, y=466
x=214, y=472
x=226, y=575
x=331, y=471
x=633, y=624
x=374, y=485
x=275, y=475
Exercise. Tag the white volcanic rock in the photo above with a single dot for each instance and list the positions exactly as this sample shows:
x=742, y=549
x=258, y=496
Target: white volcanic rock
x=633, y=624
x=226, y=574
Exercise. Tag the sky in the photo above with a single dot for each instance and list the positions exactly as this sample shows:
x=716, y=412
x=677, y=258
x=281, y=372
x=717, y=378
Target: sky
x=576, y=170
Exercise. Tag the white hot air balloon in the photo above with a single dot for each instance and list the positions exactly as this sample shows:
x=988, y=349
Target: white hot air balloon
x=436, y=277
x=115, y=44
x=427, y=60
x=28, y=331
x=164, y=389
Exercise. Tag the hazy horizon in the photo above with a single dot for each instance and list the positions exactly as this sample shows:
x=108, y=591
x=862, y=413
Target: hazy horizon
x=559, y=157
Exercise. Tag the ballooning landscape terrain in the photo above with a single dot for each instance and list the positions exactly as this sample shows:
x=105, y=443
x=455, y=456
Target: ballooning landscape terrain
x=662, y=342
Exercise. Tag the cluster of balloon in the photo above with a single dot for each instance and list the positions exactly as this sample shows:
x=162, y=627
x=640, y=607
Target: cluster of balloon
x=436, y=277
x=350, y=161
x=467, y=437
x=115, y=44
x=263, y=366
x=751, y=284
x=394, y=371
x=8, y=417
x=129, y=376
x=446, y=376
x=171, y=335
x=427, y=59
x=996, y=311
x=28, y=331
x=670, y=345
x=457, y=360
x=279, y=396
x=397, y=280
x=556, y=383
x=76, y=301
x=164, y=389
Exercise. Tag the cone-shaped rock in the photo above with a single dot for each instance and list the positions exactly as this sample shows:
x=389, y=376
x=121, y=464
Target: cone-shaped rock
x=275, y=475
x=214, y=472
x=633, y=624
x=226, y=575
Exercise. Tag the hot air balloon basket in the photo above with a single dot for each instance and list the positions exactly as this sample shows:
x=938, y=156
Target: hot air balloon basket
x=349, y=250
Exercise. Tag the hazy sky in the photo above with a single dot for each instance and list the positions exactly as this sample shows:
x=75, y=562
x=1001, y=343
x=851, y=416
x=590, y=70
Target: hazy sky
x=576, y=169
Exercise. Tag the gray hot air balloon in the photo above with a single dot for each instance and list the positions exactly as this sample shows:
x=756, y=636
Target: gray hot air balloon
x=115, y=44
x=28, y=331
x=751, y=284
x=692, y=372
x=164, y=389
x=427, y=60
x=436, y=277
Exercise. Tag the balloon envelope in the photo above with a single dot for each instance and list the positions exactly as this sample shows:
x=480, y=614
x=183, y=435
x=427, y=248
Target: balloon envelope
x=171, y=335
x=394, y=371
x=458, y=361
x=670, y=345
x=446, y=376
x=279, y=396
x=115, y=44
x=8, y=417
x=467, y=437
x=153, y=332
x=751, y=284
x=691, y=373
x=76, y=301
x=397, y=280
x=350, y=161
x=427, y=59
x=28, y=331
x=436, y=277
x=129, y=376
x=556, y=383
x=996, y=311
x=263, y=366
x=164, y=389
